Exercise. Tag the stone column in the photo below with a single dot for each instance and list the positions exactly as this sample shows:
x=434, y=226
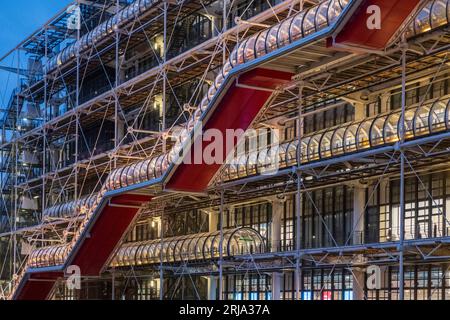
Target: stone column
x=359, y=201
x=358, y=223
x=213, y=224
x=358, y=283
x=212, y=288
x=385, y=100
x=213, y=220
x=120, y=129
x=360, y=111
x=277, y=280
x=277, y=215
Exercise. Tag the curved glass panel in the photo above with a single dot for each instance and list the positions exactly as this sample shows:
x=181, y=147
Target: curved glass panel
x=325, y=145
x=322, y=15
x=232, y=171
x=199, y=247
x=421, y=124
x=240, y=54
x=117, y=176
x=130, y=175
x=391, y=128
x=272, y=39
x=309, y=23
x=260, y=45
x=209, y=248
x=188, y=248
x=262, y=160
x=376, y=132
x=350, y=138
x=243, y=242
x=291, y=155
x=242, y=166
x=362, y=135
x=313, y=147
x=337, y=142
x=283, y=33
x=124, y=177
x=422, y=22
x=334, y=10
x=296, y=26
x=437, y=116
x=252, y=163
x=282, y=154
x=304, y=149
x=439, y=13
x=249, y=51
x=233, y=59
x=409, y=124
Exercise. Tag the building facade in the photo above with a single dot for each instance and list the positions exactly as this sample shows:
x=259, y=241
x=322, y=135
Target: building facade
x=339, y=190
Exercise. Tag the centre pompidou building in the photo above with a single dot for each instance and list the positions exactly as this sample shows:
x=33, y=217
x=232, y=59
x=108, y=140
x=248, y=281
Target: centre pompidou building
x=335, y=185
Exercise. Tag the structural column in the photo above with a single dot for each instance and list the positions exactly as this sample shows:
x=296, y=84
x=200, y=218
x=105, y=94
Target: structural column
x=213, y=222
x=120, y=129
x=385, y=99
x=358, y=283
x=359, y=201
x=360, y=111
x=277, y=215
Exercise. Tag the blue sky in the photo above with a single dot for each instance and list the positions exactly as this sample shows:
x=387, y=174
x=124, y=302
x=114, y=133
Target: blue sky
x=18, y=20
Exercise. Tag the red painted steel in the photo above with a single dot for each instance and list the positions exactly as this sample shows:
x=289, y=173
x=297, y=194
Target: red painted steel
x=105, y=234
x=357, y=34
x=237, y=110
x=38, y=286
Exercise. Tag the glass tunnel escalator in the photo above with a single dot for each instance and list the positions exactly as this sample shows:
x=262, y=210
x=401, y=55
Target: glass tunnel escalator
x=382, y=130
x=191, y=248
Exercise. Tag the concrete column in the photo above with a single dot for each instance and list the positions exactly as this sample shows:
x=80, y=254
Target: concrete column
x=360, y=111
x=156, y=226
x=213, y=224
x=212, y=288
x=277, y=279
x=213, y=220
x=384, y=198
x=277, y=215
x=359, y=201
x=358, y=283
x=120, y=129
x=385, y=100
